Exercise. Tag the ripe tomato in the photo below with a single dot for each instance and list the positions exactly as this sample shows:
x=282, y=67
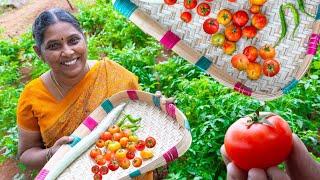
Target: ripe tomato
x=249, y=32
x=130, y=155
x=254, y=70
x=140, y=145
x=109, y=155
x=210, y=26
x=224, y=16
x=251, y=52
x=146, y=154
x=203, y=9
x=131, y=146
x=150, y=142
x=233, y=33
x=120, y=154
x=97, y=176
x=240, y=18
x=124, y=163
x=229, y=47
x=136, y=162
x=257, y=2
x=113, y=165
x=259, y=21
x=258, y=145
x=114, y=129
x=124, y=141
x=95, y=152
x=100, y=143
x=104, y=170
x=240, y=62
x=106, y=136
x=95, y=169
x=117, y=136
x=190, y=4
x=106, y=143
x=100, y=160
x=209, y=0
x=232, y=0
x=254, y=9
x=186, y=16
x=217, y=39
x=114, y=146
x=271, y=67
x=267, y=52
x=170, y=2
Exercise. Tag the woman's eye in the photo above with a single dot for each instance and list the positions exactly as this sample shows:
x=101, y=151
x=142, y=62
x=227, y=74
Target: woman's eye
x=74, y=41
x=53, y=46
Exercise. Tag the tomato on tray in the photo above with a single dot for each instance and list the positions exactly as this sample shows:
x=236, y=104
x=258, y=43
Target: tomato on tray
x=271, y=67
x=140, y=145
x=113, y=165
x=186, y=16
x=95, y=152
x=210, y=26
x=136, y=162
x=233, y=33
x=203, y=9
x=190, y=4
x=150, y=142
x=170, y=2
x=251, y=52
x=267, y=52
x=260, y=141
x=224, y=16
x=240, y=18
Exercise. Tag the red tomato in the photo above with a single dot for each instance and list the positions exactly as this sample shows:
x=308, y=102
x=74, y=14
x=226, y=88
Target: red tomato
x=100, y=143
x=124, y=163
x=100, y=160
x=258, y=145
x=150, y=142
x=249, y=32
x=104, y=170
x=240, y=62
x=259, y=21
x=203, y=9
x=251, y=52
x=109, y=155
x=254, y=9
x=170, y=2
x=113, y=165
x=140, y=145
x=210, y=26
x=114, y=129
x=95, y=169
x=240, y=18
x=117, y=136
x=130, y=155
x=106, y=136
x=97, y=177
x=124, y=141
x=209, y=0
x=232, y=0
x=126, y=133
x=95, y=152
x=190, y=4
x=136, y=162
x=233, y=33
x=271, y=67
x=229, y=47
x=186, y=16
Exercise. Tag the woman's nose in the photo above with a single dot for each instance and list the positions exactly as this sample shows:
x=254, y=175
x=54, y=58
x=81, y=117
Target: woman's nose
x=67, y=51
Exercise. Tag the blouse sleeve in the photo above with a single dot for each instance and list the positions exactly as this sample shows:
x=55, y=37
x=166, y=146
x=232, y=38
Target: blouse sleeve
x=25, y=116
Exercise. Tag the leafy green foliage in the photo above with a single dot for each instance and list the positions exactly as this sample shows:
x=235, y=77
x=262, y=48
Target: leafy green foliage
x=210, y=107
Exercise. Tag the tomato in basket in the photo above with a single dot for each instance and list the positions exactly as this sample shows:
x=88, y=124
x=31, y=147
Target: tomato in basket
x=259, y=21
x=114, y=146
x=100, y=160
x=146, y=154
x=190, y=4
x=240, y=18
x=100, y=143
x=120, y=154
x=150, y=142
x=113, y=165
x=131, y=146
x=240, y=62
x=254, y=70
x=133, y=138
x=254, y=9
x=140, y=145
x=251, y=52
x=170, y=2
x=124, y=141
x=210, y=26
x=106, y=136
x=267, y=52
x=126, y=133
x=249, y=32
x=97, y=176
x=233, y=33
x=136, y=162
x=114, y=129
x=224, y=16
x=104, y=170
x=271, y=67
x=117, y=136
x=186, y=16
x=130, y=155
x=95, y=152
x=109, y=155
x=124, y=163
x=95, y=169
x=203, y=9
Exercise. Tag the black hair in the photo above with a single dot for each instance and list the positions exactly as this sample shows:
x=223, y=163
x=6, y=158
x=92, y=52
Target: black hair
x=49, y=17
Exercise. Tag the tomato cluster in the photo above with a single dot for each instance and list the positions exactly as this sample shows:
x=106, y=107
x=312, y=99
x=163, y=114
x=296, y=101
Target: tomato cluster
x=116, y=148
x=248, y=61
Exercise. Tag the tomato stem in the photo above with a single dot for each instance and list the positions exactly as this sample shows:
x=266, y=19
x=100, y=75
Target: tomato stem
x=256, y=117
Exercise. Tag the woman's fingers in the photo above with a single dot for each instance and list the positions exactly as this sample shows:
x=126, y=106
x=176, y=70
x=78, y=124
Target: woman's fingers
x=275, y=173
x=235, y=173
x=225, y=158
x=257, y=174
x=63, y=140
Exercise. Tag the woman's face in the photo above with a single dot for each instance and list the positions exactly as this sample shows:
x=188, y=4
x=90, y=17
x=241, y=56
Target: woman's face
x=64, y=49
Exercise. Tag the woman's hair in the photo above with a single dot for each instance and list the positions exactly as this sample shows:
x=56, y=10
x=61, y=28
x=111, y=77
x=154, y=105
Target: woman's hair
x=49, y=17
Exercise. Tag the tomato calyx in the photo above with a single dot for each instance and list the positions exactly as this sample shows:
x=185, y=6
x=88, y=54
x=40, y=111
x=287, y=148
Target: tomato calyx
x=258, y=117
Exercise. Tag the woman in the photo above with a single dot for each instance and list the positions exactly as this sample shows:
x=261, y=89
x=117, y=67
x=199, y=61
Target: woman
x=52, y=106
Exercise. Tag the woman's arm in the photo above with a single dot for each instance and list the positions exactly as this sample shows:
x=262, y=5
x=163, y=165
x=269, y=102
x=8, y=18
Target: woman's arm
x=30, y=149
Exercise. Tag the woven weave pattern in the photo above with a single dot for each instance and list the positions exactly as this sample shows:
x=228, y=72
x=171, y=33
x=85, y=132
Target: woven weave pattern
x=155, y=123
x=290, y=53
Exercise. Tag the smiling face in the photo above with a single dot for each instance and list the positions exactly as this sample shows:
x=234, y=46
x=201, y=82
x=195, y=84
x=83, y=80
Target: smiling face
x=64, y=49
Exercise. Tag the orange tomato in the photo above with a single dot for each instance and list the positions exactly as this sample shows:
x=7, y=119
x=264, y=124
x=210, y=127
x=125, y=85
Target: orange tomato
x=100, y=143
x=254, y=71
x=95, y=152
x=114, y=129
x=100, y=160
x=240, y=62
x=267, y=52
x=126, y=133
x=124, y=163
x=120, y=154
x=106, y=136
x=109, y=155
x=124, y=141
x=136, y=162
x=131, y=146
x=117, y=136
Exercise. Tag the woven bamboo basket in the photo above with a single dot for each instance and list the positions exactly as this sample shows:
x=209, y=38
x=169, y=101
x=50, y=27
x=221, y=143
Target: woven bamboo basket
x=163, y=121
x=190, y=42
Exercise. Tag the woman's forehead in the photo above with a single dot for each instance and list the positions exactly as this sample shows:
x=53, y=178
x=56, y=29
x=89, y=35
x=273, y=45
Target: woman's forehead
x=59, y=30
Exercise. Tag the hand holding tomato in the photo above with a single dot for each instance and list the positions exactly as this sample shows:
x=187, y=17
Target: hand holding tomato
x=299, y=165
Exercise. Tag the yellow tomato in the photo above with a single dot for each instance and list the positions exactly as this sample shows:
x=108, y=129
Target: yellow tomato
x=146, y=154
x=114, y=146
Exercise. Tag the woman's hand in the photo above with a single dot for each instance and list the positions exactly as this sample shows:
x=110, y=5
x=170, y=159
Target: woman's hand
x=299, y=165
x=59, y=143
